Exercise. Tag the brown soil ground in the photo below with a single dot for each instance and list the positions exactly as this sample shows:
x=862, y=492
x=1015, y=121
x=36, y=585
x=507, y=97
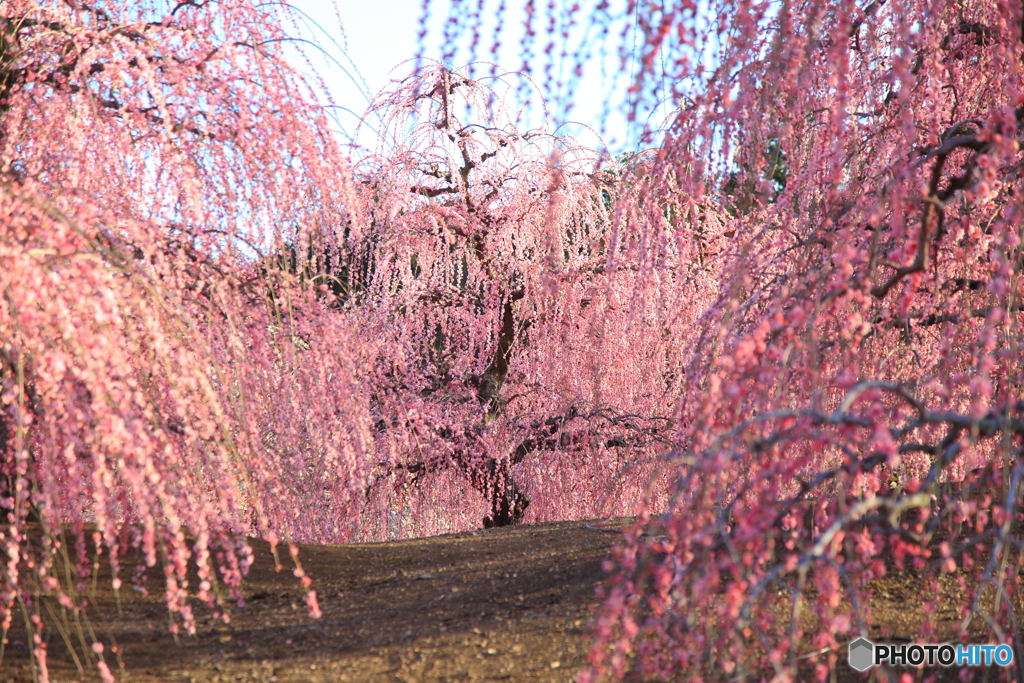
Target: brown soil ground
x=509, y=604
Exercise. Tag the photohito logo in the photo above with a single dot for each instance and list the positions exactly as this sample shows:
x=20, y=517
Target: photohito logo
x=863, y=654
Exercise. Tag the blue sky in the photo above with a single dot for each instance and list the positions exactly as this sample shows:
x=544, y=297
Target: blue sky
x=377, y=36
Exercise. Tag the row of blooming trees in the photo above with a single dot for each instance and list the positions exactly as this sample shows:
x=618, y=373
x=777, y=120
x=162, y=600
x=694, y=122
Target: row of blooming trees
x=853, y=403
x=791, y=328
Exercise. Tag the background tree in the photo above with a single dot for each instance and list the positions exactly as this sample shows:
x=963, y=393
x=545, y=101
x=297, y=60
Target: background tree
x=495, y=270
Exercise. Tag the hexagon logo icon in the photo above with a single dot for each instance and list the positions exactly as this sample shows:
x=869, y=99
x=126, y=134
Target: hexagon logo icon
x=861, y=654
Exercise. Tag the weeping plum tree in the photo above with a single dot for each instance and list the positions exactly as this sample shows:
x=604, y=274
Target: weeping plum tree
x=494, y=274
x=853, y=404
x=150, y=394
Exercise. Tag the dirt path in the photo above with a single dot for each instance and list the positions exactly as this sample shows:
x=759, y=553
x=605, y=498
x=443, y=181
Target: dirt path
x=509, y=604
x=506, y=604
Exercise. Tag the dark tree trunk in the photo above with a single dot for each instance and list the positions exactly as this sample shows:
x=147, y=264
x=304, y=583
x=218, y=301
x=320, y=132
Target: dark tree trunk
x=508, y=504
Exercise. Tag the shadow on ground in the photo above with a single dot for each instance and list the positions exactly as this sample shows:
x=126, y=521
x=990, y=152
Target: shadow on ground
x=491, y=605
